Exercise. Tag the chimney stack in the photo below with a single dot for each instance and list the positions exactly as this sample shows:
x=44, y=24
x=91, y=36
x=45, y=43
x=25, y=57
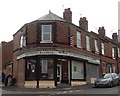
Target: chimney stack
x=83, y=23
x=101, y=32
x=115, y=37
x=67, y=15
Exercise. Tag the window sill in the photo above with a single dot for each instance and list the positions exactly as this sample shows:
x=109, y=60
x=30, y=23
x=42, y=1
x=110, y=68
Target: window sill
x=113, y=57
x=79, y=47
x=97, y=52
x=88, y=50
x=46, y=42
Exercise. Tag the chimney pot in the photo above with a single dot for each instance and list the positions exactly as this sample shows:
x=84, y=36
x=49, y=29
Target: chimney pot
x=115, y=37
x=83, y=23
x=101, y=31
x=67, y=15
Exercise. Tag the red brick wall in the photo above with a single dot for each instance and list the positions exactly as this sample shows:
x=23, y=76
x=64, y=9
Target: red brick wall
x=31, y=33
x=67, y=15
x=15, y=65
x=21, y=72
x=74, y=33
x=7, y=52
x=62, y=32
x=92, y=42
x=16, y=41
x=83, y=40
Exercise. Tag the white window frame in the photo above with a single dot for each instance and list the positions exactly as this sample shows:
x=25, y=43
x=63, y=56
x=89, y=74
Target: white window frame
x=113, y=53
x=88, y=43
x=103, y=48
x=47, y=41
x=22, y=41
x=79, y=39
x=96, y=46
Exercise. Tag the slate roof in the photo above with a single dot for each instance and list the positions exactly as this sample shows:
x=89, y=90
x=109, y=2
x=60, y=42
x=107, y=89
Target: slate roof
x=51, y=16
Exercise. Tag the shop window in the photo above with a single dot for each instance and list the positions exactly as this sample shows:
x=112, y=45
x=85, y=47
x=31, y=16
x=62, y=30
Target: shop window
x=44, y=66
x=46, y=69
x=30, y=70
x=46, y=33
x=77, y=70
x=92, y=71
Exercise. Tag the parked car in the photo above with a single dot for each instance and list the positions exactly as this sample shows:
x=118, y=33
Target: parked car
x=107, y=80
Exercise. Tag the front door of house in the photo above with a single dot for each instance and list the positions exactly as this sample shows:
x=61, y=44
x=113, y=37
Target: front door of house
x=59, y=71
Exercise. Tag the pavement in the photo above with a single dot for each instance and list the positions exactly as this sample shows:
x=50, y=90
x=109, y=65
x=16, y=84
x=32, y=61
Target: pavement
x=61, y=88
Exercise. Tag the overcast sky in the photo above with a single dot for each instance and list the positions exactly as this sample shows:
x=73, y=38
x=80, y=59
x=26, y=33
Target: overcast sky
x=15, y=13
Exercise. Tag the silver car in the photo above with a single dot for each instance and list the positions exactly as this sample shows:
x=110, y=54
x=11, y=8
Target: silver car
x=107, y=80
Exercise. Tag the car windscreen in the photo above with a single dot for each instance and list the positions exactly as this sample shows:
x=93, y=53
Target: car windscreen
x=105, y=76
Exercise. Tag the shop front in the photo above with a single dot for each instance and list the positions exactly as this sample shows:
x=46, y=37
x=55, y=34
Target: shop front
x=48, y=69
x=44, y=69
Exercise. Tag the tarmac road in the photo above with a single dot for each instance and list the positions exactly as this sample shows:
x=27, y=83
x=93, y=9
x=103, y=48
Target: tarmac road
x=88, y=89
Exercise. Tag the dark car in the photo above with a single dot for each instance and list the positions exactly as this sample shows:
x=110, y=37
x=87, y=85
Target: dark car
x=107, y=80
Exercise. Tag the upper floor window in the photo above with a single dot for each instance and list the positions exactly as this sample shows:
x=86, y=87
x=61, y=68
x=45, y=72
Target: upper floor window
x=113, y=52
x=78, y=39
x=103, y=48
x=46, y=33
x=22, y=41
x=87, y=42
x=96, y=45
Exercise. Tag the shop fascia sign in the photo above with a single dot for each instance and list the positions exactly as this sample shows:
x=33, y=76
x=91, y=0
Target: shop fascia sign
x=59, y=52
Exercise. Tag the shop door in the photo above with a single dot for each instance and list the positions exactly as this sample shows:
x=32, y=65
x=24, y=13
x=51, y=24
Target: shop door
x=59, y=73
x=65, y=79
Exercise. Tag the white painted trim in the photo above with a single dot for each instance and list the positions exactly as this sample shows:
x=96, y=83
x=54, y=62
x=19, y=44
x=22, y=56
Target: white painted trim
x=47, y=33
x=61, y=52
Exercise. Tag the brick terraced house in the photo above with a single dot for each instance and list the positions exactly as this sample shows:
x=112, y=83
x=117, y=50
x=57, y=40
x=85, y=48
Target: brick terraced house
x=6, y=54
x=52, y=50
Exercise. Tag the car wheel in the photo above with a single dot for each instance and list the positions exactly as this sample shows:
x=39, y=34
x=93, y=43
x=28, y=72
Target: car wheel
x=119, y=83
x=111, y=84
x=95, y=86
